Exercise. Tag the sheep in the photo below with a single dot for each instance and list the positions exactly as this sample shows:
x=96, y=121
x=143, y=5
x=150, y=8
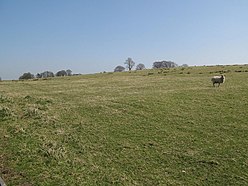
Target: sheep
x=218, y=79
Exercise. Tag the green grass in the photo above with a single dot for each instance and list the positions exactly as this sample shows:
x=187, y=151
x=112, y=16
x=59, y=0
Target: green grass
x=150, y=127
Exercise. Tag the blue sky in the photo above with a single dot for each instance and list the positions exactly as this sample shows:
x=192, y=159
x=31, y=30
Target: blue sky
x=89, y=36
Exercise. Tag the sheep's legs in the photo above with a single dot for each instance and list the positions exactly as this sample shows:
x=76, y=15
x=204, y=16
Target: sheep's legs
x=215, y=83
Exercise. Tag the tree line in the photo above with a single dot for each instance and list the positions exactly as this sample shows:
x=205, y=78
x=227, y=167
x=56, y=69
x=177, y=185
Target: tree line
x=46, y=74
x=158, y=64
x=129, y=64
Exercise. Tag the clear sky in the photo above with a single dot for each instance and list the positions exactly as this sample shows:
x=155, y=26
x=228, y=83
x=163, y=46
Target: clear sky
x=89, y=36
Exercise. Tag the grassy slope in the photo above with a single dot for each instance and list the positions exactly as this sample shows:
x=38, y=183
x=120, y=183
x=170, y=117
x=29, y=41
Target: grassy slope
x=169, y=128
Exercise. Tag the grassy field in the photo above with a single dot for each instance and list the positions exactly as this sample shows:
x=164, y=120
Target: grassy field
x=151, y=127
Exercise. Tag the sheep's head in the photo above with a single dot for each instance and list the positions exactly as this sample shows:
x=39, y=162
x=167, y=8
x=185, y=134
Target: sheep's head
x=223, y=78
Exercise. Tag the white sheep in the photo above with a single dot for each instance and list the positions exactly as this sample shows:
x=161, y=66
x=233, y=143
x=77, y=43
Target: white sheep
x=218, y=79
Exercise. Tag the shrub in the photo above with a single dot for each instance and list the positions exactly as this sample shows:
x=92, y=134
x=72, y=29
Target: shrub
x=27, y=75
x=119, y=69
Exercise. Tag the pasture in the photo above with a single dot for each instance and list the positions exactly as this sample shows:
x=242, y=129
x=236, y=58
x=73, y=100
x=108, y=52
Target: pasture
x=150, y=127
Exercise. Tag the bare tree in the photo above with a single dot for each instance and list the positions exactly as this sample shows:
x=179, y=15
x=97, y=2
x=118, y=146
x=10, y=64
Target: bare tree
x=140, y=66
x=129, y=63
